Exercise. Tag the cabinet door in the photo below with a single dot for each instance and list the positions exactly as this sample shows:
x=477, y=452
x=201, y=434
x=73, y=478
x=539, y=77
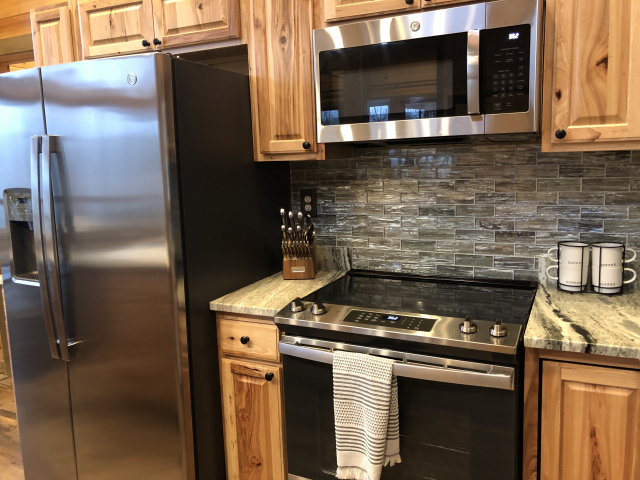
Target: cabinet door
x=112, y=27
x=589, y=422
x=591, y=76
x=182, y=22
x=52, y=35
x=281, y=75
x=253, y=426
x=340, y=9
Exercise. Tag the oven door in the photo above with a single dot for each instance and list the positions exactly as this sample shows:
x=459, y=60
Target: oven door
x=402, y=77
x=458, y=419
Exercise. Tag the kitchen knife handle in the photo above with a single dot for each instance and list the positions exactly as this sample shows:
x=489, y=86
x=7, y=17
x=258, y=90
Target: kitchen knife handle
x=36, y=203
x=49, y=242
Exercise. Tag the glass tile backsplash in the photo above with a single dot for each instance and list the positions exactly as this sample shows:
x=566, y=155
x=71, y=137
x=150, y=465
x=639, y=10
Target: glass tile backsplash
x=489, y=211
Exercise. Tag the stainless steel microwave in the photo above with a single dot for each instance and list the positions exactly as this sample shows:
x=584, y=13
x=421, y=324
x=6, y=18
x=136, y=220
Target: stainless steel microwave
x=469, y=70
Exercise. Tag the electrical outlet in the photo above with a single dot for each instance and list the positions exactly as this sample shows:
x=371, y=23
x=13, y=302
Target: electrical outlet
x=309, y=202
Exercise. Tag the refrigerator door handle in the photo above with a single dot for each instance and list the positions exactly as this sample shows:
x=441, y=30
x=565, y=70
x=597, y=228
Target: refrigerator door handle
x=36, y=150
x=49, y=243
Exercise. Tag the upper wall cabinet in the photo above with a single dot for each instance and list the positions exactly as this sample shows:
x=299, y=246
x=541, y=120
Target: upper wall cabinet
x=592, y=75
x=281, y=76
x=180, y=22
x=52, y=33
x=336, y=10
x=112, y=27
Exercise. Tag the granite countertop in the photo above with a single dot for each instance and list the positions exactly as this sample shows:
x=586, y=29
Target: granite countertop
x=585, y=323
x=267, y=297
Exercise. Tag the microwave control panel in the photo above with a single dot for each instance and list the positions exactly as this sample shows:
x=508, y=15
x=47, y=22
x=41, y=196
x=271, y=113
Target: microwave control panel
x=506, y=69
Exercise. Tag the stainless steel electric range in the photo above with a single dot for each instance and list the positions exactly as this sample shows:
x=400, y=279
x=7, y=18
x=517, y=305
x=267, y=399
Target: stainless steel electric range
x=459, y=352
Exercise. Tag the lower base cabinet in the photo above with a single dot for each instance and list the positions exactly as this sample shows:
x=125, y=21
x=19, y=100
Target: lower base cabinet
x=251, y=401
x=589, y=421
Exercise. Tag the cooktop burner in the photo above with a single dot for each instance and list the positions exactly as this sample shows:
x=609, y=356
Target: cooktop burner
x=466, y=313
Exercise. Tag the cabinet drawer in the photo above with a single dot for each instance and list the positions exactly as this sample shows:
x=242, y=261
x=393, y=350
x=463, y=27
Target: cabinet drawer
x=263, y=339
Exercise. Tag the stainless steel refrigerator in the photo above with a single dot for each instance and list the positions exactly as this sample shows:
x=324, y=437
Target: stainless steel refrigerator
x=130, y=200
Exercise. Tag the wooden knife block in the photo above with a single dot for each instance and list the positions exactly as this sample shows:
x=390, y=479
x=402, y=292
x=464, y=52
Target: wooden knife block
x=301, y=269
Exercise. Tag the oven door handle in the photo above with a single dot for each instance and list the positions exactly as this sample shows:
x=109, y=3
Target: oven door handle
x=498, y=377
x=473, y=72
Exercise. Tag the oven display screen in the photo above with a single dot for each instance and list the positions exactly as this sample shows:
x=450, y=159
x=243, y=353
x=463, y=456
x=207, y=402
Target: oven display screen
x=396, y=321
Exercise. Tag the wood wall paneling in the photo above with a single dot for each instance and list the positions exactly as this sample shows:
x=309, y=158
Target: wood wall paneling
x=185, y=22
x=591, y=79
x=52, y=36
x=11, y=8
x=112, y=27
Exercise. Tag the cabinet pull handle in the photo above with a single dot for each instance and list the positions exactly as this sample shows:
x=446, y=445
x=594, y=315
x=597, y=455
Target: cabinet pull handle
x=156, y=41
x=244, y=340
x=269, y=376
x=409, y=2
x=145, y=43
x=306, y=145
x=560, y=134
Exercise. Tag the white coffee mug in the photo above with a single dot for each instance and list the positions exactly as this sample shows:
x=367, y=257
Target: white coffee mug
x=611, y=281
x=572, y=254
x=609, y=255
x=572, y=279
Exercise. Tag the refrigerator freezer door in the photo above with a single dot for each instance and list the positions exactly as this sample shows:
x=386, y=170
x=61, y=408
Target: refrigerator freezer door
x=113, y=176
x=41, y=382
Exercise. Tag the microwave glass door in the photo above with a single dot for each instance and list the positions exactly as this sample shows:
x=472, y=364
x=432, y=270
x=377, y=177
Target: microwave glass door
x=402, y=80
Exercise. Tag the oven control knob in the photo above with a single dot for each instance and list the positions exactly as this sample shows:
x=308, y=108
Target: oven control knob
x=468, y=326
x=318, y=308
x=297, y=305
x=499, y=330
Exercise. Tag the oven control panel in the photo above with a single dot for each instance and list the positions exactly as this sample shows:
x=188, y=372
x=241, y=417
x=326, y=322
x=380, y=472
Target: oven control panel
x=389, y=320
x=506, y=69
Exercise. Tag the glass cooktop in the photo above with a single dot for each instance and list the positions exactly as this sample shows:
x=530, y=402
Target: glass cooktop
x=510, y=301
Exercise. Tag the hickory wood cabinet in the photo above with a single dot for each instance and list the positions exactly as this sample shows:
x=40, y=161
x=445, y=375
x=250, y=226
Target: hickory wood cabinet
x=591, y=75
x=589, y=420
x=337, y=10
x=281, y=77
x=113, y=27
x=252, y=408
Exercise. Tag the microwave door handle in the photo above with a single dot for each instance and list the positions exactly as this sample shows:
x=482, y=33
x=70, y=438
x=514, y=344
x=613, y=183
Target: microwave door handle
x=503, y=379
x=50, y=246
x=473, y=72
x=36, y=205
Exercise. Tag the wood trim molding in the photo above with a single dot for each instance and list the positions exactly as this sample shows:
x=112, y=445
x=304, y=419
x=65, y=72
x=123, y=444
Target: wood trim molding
x=15, y=26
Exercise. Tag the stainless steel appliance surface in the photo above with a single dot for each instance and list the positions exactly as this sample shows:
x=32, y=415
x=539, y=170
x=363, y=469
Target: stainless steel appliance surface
x=459, y=71
x=458, y=349
x=114, y=175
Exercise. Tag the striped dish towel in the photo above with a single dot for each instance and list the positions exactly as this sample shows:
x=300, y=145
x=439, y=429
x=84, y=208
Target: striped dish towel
x=365, y=403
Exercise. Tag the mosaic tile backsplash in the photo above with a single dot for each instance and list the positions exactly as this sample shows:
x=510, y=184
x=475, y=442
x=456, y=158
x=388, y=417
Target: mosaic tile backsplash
x=490, y=211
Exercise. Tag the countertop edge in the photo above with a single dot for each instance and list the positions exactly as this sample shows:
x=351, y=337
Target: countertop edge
x=242, y=301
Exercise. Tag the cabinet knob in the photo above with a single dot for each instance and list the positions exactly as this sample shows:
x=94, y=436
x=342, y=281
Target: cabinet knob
x=269, y=376
x=409, y=2
x=560, y=134
x=145, y=43
x=306, y=145
x=244, y=340
x=156, y=41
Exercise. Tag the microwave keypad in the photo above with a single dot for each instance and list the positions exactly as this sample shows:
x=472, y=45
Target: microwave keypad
x=506, y=69
x=390, y=320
